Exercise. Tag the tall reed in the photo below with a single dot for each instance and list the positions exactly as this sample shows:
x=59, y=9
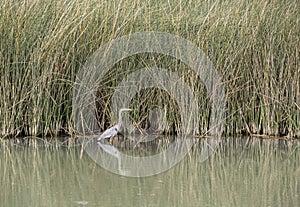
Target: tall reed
x=255, y=46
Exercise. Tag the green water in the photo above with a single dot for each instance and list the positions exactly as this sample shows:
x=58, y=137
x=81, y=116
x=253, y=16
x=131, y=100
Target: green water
x=242, y=172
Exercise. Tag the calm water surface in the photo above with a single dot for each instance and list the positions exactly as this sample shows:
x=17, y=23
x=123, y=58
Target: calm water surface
x=242, y=172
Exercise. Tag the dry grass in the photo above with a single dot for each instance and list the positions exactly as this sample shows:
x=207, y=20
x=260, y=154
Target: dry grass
x=255, y=46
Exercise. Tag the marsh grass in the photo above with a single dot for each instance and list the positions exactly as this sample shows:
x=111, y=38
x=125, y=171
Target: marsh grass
x=255, y=46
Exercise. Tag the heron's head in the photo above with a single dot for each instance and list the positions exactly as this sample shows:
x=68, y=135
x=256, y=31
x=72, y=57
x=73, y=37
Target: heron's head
x=120, y=113
x=120, y=116
x=124, y=109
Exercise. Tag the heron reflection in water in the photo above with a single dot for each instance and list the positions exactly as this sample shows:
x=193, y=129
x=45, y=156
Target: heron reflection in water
x=113, y=131
x=115, y=153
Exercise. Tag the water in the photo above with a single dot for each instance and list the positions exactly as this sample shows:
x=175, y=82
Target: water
x=243, y=172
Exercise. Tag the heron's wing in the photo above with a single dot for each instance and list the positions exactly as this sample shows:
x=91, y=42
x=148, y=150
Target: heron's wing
x=109, y=132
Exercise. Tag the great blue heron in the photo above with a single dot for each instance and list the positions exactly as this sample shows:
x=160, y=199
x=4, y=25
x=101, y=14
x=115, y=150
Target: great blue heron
x=113, y=131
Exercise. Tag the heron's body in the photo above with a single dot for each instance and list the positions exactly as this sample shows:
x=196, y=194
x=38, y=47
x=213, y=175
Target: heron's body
x=113, y=131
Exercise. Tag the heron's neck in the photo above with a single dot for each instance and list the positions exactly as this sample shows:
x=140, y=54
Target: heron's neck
x=120, y=118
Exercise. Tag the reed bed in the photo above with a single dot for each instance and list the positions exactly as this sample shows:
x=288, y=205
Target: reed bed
x=255, y=46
